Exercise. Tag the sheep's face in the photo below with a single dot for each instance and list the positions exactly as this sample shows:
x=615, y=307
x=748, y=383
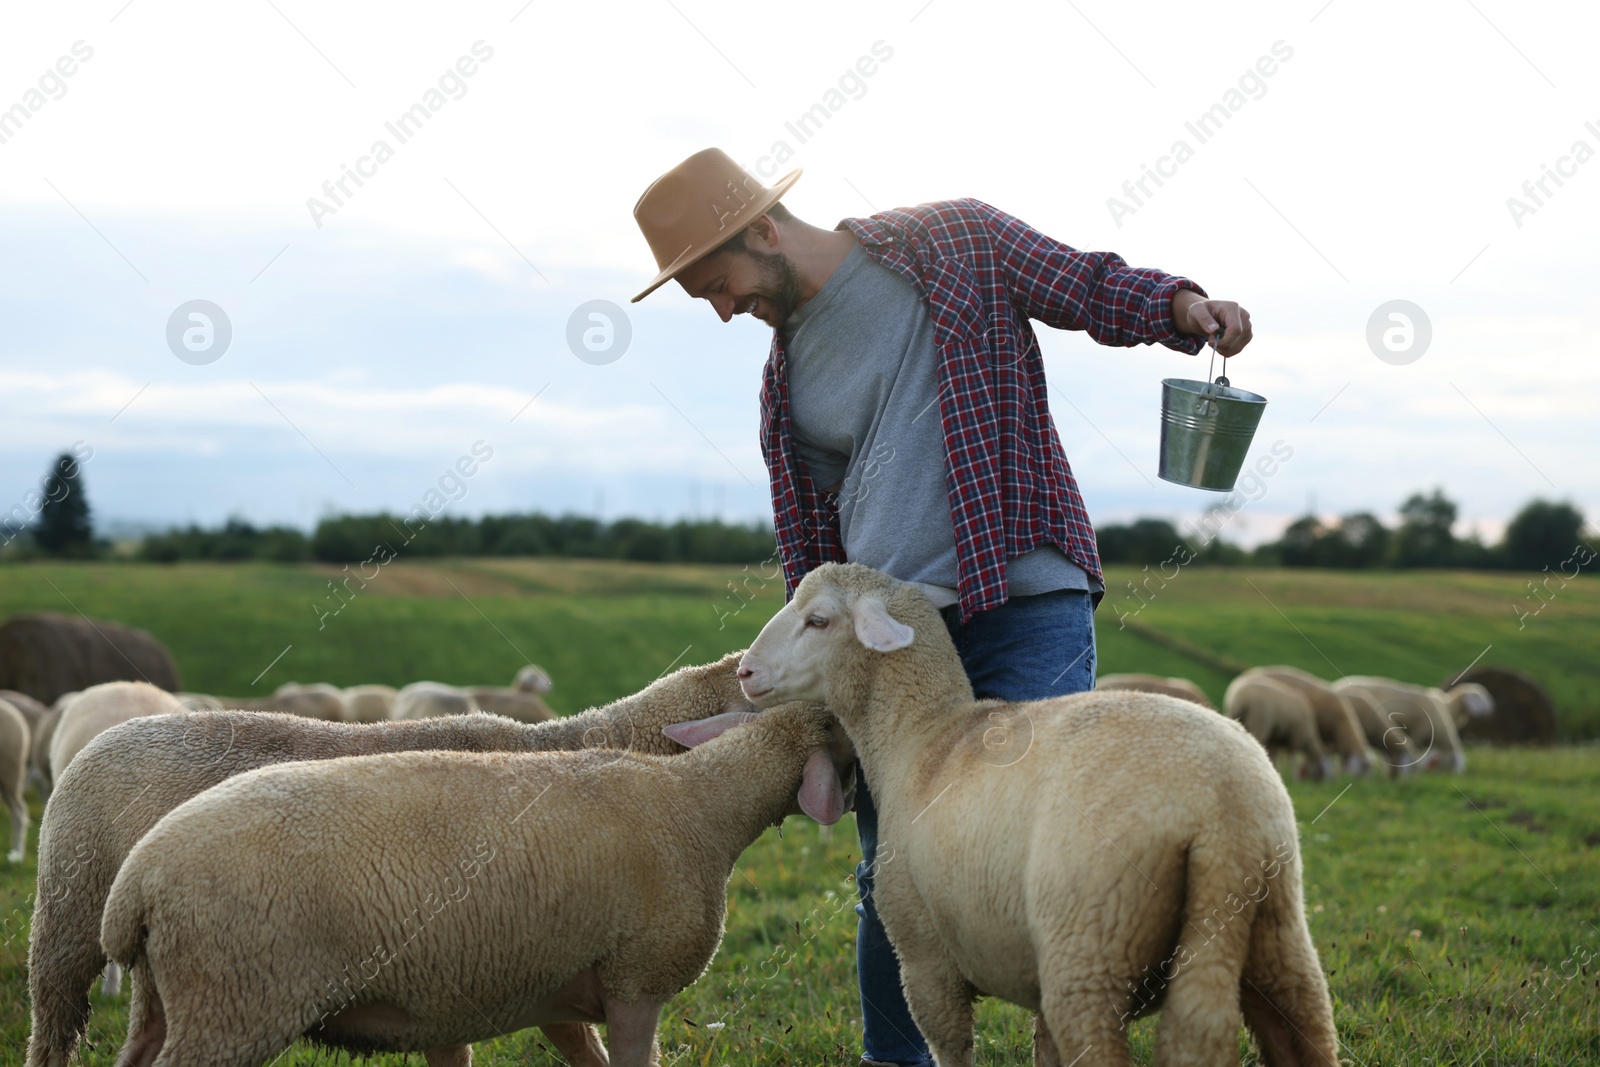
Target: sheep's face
x=806, y=643
x=1471, y=700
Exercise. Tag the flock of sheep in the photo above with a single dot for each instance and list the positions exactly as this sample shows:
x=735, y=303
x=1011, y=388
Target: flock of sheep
x=1352, y=722
x=382, y=870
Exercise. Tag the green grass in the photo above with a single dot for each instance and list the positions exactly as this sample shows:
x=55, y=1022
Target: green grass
x=1456, y=915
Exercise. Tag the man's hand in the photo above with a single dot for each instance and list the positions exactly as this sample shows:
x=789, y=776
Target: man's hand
x=1194, y=314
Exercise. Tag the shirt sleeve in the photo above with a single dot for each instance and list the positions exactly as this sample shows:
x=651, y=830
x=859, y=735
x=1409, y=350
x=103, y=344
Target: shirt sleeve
x=1096, y=292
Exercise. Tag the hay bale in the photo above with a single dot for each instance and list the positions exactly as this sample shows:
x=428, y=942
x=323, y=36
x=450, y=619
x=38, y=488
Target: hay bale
x=1523, y=712
x=43, y=655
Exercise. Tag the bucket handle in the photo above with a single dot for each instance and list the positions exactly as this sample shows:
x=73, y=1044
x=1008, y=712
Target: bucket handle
x=1206, y=406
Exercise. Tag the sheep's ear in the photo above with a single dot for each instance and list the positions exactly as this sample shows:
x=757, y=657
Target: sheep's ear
x=821, y=796
x=699, y=731
x=877, y=629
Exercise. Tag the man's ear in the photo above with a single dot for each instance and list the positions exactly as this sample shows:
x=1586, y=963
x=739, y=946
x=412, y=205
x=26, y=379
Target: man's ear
x=698, y=731
x=877, y=629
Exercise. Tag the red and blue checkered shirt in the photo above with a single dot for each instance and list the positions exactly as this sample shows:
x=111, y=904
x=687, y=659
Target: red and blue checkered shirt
x=984, y=274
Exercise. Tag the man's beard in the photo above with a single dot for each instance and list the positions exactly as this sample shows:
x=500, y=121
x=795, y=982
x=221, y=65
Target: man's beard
x=779, y=288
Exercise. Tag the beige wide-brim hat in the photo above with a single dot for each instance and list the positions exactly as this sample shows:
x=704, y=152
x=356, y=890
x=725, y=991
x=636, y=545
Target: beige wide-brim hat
x=697, y=206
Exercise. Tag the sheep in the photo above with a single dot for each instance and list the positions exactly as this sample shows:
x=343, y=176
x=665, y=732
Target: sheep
x=1182, y=688
x=1336, y=722
x=129, y=777
x=431, y=700
x=1280, y=718
x=995, y=881
x=199, y=702
x=1467, y=701
x=99, y=708
x=15, y=743
x=520, y=704
x=533, y=679
x=601, y=905
x=316, y=701
x=1424, y=713
x=1384, y=732
x=367, y=703
x=31, y=709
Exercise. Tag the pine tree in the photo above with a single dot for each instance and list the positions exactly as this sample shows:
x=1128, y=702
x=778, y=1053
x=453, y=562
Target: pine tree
x=64, y=526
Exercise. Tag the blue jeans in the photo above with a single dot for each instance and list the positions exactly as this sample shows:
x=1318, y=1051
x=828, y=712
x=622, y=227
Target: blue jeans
x=1029, y=648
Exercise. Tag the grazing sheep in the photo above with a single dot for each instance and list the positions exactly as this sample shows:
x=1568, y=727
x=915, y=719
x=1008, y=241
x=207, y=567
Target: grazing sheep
x=15, y=743
x=1384, y=732
x=60, y=703
x=540, y=888
x=31, y=709
x=1466, y=700
x=1182, y=688
x=533, y=679
x=998, y=880
x=367, y=703
x=1423, y=712
x=316, y=701
x=519, y=704
x=1280, y=718
x=1337, y=726
x=132, y=775
x=431, y=700
x=99, y=708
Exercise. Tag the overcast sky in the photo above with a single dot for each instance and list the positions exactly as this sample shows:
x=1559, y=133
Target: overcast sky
x=1359, y=153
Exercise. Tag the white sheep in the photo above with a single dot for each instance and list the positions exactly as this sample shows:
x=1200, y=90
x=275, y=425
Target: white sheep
x=1385, y=733
x=1468, y=701
x=319, y=700
x=1337, y=725
x=431, y=700
x=533, y=679
x=363, y=902
x=39, y=753
x=1058, y=853
x=99, y=708
x=132, y=775
x=1423, y=712
x=1182, y=688
x=523, y=705
x=1280, y=718
x=367, y=703
x=15, y=745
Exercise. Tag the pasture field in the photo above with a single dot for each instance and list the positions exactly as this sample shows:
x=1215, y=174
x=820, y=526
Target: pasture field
x=1458, y=917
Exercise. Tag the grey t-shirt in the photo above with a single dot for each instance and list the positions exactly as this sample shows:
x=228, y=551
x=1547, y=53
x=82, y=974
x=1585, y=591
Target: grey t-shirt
x=864, y=411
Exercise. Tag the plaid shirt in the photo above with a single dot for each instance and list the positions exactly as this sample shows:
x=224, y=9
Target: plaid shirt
x=983, y=274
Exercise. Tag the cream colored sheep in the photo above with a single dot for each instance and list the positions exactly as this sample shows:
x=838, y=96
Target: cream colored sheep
x=367, y=703
x=540, y=888
x=1281, y=718
x=318, y=700
x=99, y=708
x=533, y=679
x=15, y=744
x=1467, y=701
x=124, y=782
x=1423, y=712
x=1182, y=688
x=1385, y=733
x=1058, y=853
x=519, y=704
x=431, y=700
x=1337, y=726
x=31, y=709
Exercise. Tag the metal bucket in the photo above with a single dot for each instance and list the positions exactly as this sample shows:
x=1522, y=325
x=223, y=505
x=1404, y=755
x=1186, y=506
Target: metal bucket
x=1206, y=429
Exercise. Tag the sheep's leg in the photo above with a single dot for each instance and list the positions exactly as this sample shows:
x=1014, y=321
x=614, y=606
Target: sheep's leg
x=19, y=828
x=631, y=1030
x=1283, y=991
x=111, y=985
x=1045, y=1053
x=941, y=1005
x=62, y=963
x=449, y=1056
x=1081, y=1019
x=578, y=1042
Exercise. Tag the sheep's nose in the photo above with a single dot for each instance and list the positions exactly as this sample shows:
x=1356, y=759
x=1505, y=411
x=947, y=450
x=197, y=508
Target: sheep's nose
x=745, y=672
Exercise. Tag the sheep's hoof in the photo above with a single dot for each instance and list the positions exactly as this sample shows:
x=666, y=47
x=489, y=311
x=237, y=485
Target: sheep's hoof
x=14, y=856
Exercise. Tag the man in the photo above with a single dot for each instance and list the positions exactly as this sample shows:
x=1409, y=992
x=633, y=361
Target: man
x=905, y=426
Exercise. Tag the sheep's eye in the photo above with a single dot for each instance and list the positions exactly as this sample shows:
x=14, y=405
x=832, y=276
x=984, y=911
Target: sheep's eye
x=816, y=622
